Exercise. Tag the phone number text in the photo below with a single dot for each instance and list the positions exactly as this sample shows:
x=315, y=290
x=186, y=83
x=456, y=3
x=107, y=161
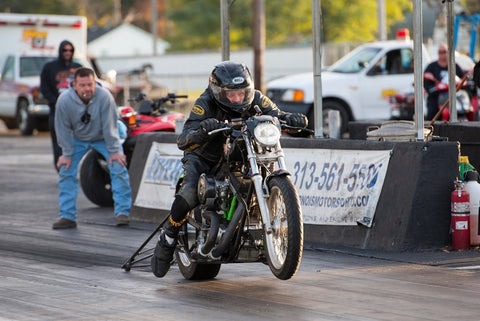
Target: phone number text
x=335, y=176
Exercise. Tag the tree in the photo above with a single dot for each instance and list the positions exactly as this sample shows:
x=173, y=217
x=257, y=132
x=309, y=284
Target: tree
x=471, y=6
x=39, y=6
x=196, y=24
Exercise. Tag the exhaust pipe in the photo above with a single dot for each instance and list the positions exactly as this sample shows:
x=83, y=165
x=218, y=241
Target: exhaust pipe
x=228, y=235
x=212, y=234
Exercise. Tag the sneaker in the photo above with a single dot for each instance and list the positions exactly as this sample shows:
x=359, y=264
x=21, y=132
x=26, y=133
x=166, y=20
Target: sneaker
x=162, y=256
x=122, y=219
x=64, y=223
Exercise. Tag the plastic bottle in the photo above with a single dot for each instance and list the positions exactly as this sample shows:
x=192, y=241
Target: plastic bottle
x=473, y=187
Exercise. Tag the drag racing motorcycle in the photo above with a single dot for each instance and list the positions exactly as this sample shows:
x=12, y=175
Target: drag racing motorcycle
x=249, y=208
x=151, y=116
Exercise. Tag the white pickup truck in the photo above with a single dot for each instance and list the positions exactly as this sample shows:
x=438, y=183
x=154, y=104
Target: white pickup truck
x=358, y=85
x=28, y=42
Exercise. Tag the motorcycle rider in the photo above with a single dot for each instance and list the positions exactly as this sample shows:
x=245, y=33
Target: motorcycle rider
x=230, y=94
x=439, y=69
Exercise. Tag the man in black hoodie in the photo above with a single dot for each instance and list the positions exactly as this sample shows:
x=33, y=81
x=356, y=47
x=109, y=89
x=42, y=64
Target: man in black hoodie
x=54, y=79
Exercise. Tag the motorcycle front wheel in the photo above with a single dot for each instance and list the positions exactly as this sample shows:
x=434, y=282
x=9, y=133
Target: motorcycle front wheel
x=193, y=270
x=284, y=252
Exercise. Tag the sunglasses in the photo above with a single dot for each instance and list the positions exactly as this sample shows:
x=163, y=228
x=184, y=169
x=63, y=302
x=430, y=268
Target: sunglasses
x=85, y=117
x=442, y=52
x=65, y=50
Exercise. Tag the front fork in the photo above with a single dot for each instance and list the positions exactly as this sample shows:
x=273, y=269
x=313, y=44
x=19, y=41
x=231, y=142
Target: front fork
x=261, y=195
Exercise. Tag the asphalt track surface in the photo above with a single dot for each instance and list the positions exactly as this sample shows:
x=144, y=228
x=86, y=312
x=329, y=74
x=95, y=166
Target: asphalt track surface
x=76, y=274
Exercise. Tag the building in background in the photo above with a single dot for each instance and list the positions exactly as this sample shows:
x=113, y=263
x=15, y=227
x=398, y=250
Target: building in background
x=126, y=40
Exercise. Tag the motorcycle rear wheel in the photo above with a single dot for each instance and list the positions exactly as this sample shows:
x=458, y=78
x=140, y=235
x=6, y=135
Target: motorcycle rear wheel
x=189, y=269
x=287, y=228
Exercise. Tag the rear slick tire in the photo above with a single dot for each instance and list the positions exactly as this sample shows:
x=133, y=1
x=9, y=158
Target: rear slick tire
x=287, y=228
x=189, y=269
x=95, y=180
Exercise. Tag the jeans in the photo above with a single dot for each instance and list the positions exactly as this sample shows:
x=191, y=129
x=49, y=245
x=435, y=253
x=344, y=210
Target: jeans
x=68, y=183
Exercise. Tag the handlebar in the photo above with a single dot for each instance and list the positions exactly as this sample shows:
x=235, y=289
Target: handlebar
x=288, y=128
x=169, y=97
x=283, y=124
x=148, y=107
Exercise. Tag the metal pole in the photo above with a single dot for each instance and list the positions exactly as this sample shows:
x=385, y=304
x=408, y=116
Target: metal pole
x=382, y=20
x=317, y=65
x=225, y=28
x=417, y=66
x=451, y=62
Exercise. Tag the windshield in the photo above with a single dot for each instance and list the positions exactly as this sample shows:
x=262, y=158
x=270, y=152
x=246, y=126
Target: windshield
x=32, y=66
x=355, y=61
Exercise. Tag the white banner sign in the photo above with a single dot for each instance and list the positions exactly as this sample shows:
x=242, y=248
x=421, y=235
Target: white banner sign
x=335, y=187
x=160, y=175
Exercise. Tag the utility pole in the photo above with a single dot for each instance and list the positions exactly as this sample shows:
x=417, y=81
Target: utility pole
x=154, y=26
x=117, y=12
x=259, y=42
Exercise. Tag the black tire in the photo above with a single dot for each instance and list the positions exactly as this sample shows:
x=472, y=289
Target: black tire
x=189, y=269
x=11, y=123
x=328, y=105
x=95, y=179
x=285, y=252
x=25, y=122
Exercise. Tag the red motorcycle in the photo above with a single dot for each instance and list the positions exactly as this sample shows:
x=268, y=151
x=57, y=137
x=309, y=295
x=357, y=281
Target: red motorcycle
x=466, y=103
x=403, y=104
x=151, y=116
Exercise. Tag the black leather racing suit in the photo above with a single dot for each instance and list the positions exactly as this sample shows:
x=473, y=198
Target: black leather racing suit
x=201, y=153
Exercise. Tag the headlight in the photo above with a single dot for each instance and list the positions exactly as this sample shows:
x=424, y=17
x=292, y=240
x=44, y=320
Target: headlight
x=38, y=98
x=267, y=134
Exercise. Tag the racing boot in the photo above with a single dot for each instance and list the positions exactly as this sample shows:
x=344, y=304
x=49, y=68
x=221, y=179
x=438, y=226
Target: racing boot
x=167, y=241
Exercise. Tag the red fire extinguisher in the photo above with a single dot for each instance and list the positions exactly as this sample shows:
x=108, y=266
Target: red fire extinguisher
x=460, y=217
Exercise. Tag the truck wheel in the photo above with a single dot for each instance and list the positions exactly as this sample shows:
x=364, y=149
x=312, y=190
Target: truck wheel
x=95, y=179
x=25, y=122
x=11, y=123
x=335, y=105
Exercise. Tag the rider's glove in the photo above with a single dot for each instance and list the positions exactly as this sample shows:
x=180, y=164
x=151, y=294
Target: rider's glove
x=208, y=125
x=296, y=120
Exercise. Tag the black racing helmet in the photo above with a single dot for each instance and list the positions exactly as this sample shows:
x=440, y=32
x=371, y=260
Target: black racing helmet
x=228, y=76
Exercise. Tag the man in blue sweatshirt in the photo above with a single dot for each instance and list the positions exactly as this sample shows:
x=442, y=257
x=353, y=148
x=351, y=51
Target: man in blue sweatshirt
x=85, y=118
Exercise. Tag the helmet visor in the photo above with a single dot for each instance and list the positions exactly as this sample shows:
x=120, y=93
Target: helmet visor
x=236, y=99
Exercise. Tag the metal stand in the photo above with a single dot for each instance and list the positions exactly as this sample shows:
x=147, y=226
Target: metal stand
x=140, y=254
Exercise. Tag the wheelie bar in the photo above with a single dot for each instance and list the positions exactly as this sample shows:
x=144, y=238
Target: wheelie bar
x=140, y=253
